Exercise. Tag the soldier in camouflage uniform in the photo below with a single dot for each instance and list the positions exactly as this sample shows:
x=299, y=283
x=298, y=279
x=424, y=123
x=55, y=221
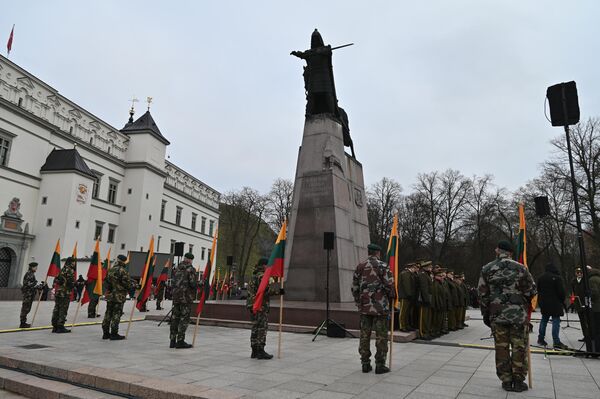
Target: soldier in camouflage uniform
x=29, y=289
x=185, y=287
x=64, y=283
x=505, y=291
x=406, y=293
x=117, y=283
x=93, y=304
x=260, y=319
x=373, y=291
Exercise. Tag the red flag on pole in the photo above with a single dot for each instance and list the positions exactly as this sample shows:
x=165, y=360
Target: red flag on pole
x=10, y=40
x=206, y=288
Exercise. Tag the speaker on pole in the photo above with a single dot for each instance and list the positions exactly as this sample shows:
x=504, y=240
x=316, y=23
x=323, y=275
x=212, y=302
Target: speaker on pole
x=179, y=248
x=328, y=239
x=564, y=104
x=542, y=207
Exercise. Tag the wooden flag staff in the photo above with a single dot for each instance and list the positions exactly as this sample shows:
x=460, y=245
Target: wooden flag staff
x=37, y=306
x=131, y=314
x=392, y=335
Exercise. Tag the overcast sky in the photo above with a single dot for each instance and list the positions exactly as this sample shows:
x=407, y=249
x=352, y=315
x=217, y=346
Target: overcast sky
x=428, y=85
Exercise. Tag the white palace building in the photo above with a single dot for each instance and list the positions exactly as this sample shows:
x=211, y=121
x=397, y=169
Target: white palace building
x=65, y=173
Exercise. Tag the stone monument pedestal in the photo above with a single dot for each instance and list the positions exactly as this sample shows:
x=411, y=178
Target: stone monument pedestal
x=329, y=195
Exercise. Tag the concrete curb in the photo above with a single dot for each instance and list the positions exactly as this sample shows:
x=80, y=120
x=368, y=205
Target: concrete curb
x=93, y=378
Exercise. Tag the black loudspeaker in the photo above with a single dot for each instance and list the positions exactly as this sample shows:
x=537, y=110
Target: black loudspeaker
x=542, y=207
x=555, y=95
x=229, y=260
x=178, y=249
x=335, y=330
x=328, y=238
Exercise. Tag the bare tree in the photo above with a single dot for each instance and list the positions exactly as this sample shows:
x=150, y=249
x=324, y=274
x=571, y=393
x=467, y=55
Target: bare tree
x=480, y=214
x=383, y=198
x=454, y=188
x=279, y=202
x=428, y=189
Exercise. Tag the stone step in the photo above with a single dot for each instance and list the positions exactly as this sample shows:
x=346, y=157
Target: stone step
x=30, y=386
x=61, y=378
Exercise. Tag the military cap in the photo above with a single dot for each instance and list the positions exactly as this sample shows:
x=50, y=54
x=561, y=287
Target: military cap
x=33, y=264
x=578, y=270
x=373, y=247
x=439, y=271
x=505, y=246
x=122, y=258
x=425, y=263
x=263, y=261
x=189, y=256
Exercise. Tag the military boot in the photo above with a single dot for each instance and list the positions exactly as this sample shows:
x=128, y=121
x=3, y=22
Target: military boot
x=24, y=325
x=62, y=330
x=182, y=345
x=172, y=344
x=508, y=386
x=105, y=334
x=116, y=337
x=520, y=386
x=253, y=355
x=366, y=367
x=381, y=369
x=261, y=354
x=54, y=329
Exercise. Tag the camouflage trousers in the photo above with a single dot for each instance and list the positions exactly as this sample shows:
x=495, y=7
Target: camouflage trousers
x=180, y=319
x=406, y=309
x=92, y=305
x=510, y=366
x=380, y=325
x=112, y=317
x=59, y=314
x=260, y=326
x=26, y=308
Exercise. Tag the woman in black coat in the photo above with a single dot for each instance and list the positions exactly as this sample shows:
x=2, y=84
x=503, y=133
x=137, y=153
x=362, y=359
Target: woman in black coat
x=551, y=297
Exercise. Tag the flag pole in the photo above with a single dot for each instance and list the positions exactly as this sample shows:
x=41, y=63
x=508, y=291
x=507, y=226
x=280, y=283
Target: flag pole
x=392, y=334
x=77, y=311
x=529, y=377
x=280, y=322
x=38, y=302
x=131, y=315
x=196, y=328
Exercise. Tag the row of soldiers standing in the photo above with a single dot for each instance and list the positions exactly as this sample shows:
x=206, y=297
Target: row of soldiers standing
x=433, y=300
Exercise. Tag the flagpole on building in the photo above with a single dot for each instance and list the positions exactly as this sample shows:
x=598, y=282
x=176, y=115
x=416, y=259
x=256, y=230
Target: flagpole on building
x=280, y=321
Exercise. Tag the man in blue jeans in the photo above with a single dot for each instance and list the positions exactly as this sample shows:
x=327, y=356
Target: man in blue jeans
x=551, y=297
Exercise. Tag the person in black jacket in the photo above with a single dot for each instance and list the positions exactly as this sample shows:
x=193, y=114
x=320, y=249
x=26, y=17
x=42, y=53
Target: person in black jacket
x=551, y=297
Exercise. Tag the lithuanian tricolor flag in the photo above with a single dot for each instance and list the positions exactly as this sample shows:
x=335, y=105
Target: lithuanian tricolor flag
x=392, y=254
x=206, y=280
x=521, y=246
x=54, y=267
x=274, y=267
x=146, y=279
x=164, y=276
x=94, y=270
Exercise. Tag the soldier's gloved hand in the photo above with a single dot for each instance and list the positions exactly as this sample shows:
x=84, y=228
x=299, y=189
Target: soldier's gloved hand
x=486, y=320
x=281, y=291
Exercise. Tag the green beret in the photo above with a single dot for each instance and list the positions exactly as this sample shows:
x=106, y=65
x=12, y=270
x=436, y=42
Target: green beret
x=122, y=258
x=189, y=256
x=33, y=264
x=374, y=247
x=505, y=246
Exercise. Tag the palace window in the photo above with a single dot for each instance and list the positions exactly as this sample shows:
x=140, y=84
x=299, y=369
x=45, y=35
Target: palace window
x=96, y=188
x=203, y=225
x=178, y=215
x=112, y=191
x=4, y=147
x=162, y=209
x=194, y=216
x=191, y=249
x=98, y=230
x=111, y=233
x=211, y=228
x=202, y=253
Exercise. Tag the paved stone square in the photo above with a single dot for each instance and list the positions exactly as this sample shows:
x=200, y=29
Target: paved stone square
x=327, y=368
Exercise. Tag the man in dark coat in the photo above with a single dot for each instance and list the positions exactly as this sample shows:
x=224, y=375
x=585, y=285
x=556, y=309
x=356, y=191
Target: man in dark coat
x=578, y=295
x=551, y=297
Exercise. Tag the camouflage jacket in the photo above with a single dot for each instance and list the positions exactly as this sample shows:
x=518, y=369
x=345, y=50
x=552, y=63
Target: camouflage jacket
x=257, y=276
x=185, y=284
x=29, y=284
x=425, y=284
x=406, y=286
x=373, y=287
x=505, y=291
x=117, y=283
x=65, y=281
